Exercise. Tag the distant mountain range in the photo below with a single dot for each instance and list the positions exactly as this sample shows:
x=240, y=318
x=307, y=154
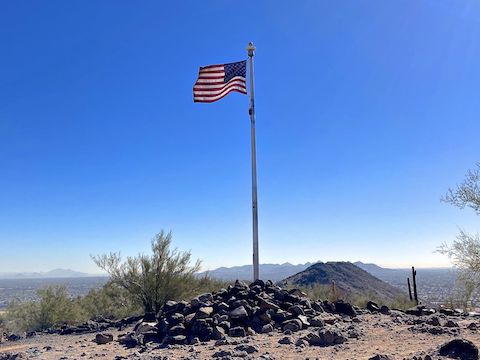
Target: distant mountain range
x=56, y=273
x=274, y=272
x=349, y=279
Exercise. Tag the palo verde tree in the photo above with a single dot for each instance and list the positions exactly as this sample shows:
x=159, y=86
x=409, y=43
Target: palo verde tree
x=465, y=249
x=153, y=279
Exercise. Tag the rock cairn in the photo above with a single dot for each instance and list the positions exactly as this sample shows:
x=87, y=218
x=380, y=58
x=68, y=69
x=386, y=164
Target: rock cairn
x=238, y=311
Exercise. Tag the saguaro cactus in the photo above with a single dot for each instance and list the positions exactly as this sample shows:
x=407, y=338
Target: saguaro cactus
x=414, y=276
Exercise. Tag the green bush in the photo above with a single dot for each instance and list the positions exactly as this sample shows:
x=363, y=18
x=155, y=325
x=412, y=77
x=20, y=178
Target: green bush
x=54, y=307
x=329, y=292
x=151, y=280
x=322, y=292
x=142, y=283
x=111, y=302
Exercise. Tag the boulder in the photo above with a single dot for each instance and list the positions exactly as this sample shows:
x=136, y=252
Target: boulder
x=372, y=306
x=239, y=313
x=304, y=320
x=345, y=308
x=218, y=333
x=145, y=327
x=128, y=340
x=177, y=330
x=204, y=312
x=293, y=325
x=267, y=305
x=170, y=306
x=296, y=310
x=176, y=319
x=380, y=357
x=459, y=349
x=317, y=321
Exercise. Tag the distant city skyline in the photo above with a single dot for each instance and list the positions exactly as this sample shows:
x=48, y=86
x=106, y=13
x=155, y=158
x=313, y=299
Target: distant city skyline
x=366, y=114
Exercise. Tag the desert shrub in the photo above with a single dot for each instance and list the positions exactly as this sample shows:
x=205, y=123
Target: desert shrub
x=110, y=301
x=328, y=292
x=464, y=252
x=53, y=308
x=322, y=292
x=400, y=303
x=151, y=280
x=361, y=300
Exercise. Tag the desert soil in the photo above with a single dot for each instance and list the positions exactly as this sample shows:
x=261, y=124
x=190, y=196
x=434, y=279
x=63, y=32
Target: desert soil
x=379, y=335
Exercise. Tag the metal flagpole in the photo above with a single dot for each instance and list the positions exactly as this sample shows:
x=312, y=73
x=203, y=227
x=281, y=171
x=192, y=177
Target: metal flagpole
x=251, y=111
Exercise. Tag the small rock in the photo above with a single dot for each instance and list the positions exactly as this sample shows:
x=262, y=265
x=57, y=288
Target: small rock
x=249, y=349
x=380, y=357
x=103, y=338
x=286, y=340
x=296, y=310
x=472, y=326
x=222, y=354
x=267, y=329
x=434, y=320
x=218, y=333
x=451, y=323
x=237, y=332
x=326, y=338
x=385, y=310
x=301, y=342
x=317, y=321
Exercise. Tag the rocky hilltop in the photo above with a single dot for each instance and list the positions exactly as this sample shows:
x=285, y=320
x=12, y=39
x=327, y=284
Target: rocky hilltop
x=259, y=321
x=349, y=279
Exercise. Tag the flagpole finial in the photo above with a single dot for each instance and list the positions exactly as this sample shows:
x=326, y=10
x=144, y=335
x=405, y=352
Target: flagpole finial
x=251, y=49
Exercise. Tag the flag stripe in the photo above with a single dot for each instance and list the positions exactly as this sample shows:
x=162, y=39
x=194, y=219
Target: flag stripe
x=216, y=85
x=216, y=81
x=209, y=100
x=211, y=92
x=215, y=68
x=215, y=74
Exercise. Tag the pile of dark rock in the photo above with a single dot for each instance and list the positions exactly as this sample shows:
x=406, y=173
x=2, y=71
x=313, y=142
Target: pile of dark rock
x=242, y=310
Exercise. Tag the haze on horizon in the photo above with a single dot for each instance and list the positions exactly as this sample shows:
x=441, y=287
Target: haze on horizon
x=366, y=114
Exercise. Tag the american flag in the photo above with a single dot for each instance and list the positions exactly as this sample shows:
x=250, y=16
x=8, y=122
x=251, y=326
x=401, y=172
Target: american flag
x=216, y=81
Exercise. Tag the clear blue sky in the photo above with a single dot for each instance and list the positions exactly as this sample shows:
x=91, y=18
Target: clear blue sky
x=367, y=111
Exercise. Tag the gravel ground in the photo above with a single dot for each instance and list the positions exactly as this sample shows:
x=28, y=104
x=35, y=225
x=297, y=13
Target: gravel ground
x=378, y=334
